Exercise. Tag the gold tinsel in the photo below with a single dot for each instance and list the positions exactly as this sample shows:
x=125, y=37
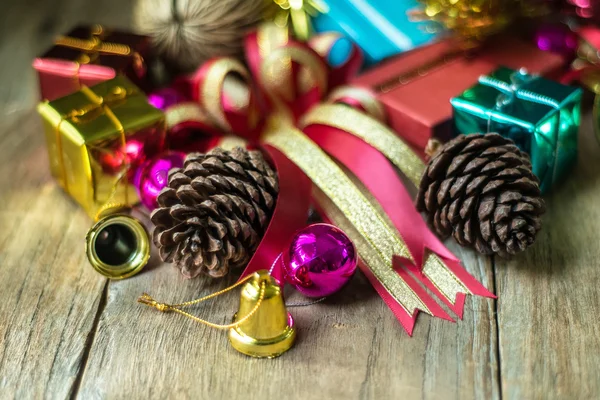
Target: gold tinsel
x=474, y=20
x=297, y=15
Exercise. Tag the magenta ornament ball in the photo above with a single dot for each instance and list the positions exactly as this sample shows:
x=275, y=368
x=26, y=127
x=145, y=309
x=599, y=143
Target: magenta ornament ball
x=165, y=98
x=320, y=261
x=152, y=176
x=557, y=38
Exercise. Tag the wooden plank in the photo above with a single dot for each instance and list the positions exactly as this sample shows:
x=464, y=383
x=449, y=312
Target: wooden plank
x=50, y=296
x=548, y=297
x=351, y=346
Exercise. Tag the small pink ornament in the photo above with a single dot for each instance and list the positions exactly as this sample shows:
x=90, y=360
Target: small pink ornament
x=152, y=176
x=165, y=98
x=557, y=38
x=320, y=260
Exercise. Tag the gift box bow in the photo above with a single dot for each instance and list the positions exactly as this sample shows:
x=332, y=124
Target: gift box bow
x=278, y=102
x=516, y=94
x=93, y=47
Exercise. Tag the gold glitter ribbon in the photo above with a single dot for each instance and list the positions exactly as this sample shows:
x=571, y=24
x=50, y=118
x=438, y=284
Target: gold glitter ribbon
x=380, y=266
x=372, y=132
x=376, y=241
x=443, y=278
x=330, y=178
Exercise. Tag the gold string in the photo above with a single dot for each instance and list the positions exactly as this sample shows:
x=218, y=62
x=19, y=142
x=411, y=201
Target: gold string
x=146, y=299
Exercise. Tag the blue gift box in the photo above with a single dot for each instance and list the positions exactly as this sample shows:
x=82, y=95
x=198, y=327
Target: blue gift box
x=381, y=28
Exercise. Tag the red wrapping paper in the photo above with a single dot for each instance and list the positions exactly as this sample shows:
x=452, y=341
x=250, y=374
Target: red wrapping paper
x=419, y=107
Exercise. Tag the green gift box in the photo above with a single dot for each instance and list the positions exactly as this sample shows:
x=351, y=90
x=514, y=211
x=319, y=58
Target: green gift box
x=541, y=116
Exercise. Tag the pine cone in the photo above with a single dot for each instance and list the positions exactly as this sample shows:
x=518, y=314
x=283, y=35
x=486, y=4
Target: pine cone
x=480, y=188
x=214, y=211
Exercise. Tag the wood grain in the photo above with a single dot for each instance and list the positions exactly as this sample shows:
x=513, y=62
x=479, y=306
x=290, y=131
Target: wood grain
x=548, y=298
x=49, y=296
x=351, y=346
x=67, y=332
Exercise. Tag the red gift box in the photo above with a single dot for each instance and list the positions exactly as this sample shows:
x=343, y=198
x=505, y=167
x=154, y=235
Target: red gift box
x=417, y=86
x=90, y=55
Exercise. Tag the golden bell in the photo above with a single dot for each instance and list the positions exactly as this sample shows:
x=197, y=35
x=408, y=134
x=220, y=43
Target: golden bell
x=117, y=246
x=270, y=331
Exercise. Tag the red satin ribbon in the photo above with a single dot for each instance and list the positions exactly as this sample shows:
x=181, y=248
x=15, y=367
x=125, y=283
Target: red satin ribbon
x=290, y=214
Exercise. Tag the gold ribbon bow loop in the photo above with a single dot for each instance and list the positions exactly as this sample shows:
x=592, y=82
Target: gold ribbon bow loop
x=365, y=98
x=288, y=71
x=100, y=105
x=227, y=83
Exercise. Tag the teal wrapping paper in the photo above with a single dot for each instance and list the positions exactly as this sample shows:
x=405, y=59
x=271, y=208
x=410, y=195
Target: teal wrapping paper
x=541, y=116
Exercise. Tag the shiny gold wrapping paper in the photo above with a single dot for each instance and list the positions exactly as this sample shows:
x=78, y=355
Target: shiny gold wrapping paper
x=95, y=137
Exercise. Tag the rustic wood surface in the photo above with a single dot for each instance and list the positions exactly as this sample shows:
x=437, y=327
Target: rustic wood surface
x=67, y=332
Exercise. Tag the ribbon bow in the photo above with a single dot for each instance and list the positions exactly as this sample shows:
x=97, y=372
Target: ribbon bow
x=279, y=103
x=517, y=89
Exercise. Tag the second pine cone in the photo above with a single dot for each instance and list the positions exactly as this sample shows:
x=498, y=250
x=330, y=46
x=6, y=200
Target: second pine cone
x=480, y=189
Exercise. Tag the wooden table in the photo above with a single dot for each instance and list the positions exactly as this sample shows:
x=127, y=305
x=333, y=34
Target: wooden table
x=65, y=331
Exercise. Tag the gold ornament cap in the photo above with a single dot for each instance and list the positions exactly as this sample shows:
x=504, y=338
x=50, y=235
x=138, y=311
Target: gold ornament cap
x=271, y=331
x=118, y=246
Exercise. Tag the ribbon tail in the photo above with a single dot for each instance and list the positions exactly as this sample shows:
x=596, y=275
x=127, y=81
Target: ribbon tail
x=289, y=216
x=400, y=291
x=450, y=282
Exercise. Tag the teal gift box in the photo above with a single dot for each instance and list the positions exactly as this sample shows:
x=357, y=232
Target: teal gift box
x=541, y=116
x=381, y=28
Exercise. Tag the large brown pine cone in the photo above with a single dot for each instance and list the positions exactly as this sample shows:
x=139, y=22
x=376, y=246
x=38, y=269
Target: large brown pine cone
x=214, y=211
x=480, y=188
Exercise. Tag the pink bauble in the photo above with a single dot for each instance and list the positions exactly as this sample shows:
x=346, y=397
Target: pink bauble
x=152, y=176
x=165, y=98
x=320, y=261
x=557, y=38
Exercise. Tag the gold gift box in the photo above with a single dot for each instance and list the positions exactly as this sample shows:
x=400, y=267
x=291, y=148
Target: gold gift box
x=96, y=137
